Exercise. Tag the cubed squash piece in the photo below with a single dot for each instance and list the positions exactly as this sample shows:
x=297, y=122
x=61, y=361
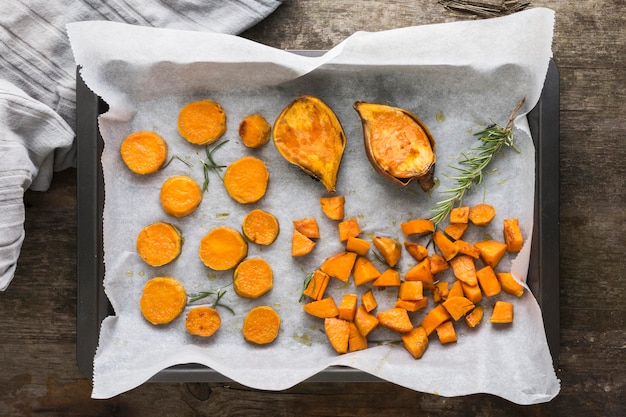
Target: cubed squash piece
x=417, y=227
x=347, y=307
x=513, y=235
x=333, y=207
x=417, y=251
x=339, y=265
x=364, y=271
x=389, y=278
x=502, y=312
x=488, y=281
x=323, y=308
x=415, y=342
x=369, y=301
x=316, y=286
x=356, y=340
x=491, y=251
x=390, y=249
x=338, y=333
x=457, y=307
x=434, y=318
x=396, y=319
x=365, y=321
x=357, y=245
x=411, y=290
x=509, y=284
x=308, y=227
x=447, y=247
x=420, y=272
x=446, y=333
x=464, y=269
x=348, y=228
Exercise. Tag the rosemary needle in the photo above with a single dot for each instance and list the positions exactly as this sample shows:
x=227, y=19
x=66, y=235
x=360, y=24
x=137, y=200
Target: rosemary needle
x=472, y=166
x=209, y=164
x=219, y=293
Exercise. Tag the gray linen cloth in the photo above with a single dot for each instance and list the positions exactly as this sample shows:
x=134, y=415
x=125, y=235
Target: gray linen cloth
x=37, y=86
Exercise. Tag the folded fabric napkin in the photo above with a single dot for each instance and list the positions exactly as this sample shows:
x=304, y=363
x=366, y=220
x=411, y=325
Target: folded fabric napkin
x=37, y=86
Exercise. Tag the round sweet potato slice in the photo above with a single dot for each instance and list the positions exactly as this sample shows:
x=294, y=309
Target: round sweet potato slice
x=162, y=300
x=144, y=152
x=223, y=248
x=202, y=122
x=180, y=196
x=159, y=243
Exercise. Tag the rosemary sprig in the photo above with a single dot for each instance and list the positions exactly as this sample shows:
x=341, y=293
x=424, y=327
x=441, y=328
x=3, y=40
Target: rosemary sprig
x=472, y=166
x=209, y=164
x=179, y=158
x=219, y=293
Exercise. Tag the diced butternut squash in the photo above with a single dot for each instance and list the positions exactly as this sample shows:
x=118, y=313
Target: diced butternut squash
x=323, y=308
x=440, y=291
x=502, y=312
x=333, y=207
x=457, y=307
x=389, y=278
x=438, y=264
x=474, y=317
x=417, y=227
x=434, y=318
x=308, y=227
x=456, y=231
x=456, y=290
x=411, y=306
x=364, y=321
x=509, y=284
x=396, y=319
x=459, y=215
x=339, y=265
x=348, y=228
x=369, y=301
x=420, y=272
x=356, y=340
x=411, y=290
x=464, y=269
x=316, y=287
x=472, y=292
x=347, y=307
x=491, y=251
x=300, y=244
x=467, y=248
x=446, y=333
x=357, y=245
x=417, y=251
x=513, y=235
x=488, y=281
x=338, y=333
x=390, y=249
x=415, y=342
x=447, y=248
x=364, y=271
x=482, y=214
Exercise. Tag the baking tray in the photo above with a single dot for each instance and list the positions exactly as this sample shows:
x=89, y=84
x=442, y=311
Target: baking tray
x=93, y=305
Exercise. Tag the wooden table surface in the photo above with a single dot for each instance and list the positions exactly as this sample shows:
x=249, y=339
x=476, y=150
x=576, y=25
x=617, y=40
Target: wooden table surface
x=38, y=370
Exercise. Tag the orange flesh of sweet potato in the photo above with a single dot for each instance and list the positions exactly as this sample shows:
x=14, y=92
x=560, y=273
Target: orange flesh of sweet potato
x=252, y=278
x=144, y=152
x=488, y=281
x=308, y=227
x=447, y=248
x=338, y=333
x=420, y=272
x=347, y=307
x=369, y=301
x=417, y=227
x=482, y=214
x=456, y=290
x=438, y=264
x=446, y=333
x=260, y=227
x=464, y=269
x=333, y=207
x=415, y=341
x=202, y=122
x=474, y=317
x=300, y=244
x=396, y=319
x=456, y=231
x=203, y=321
x=246, y=180
x=411, y=305
x=440, y=291
x=324, y=308
x=411, y=290
x=502, y=312
x=457, y=306
x=261, y=325
x=434, y=318
x=357, y=245
x=339, y=265
x=364, y=271
x=390, y=249
x=222, y=248
x=316, y=287
x=365, y=322
x=162, y=300
x=417, y=251
x=491, y=251
x=509, y=284
x=472, y=292
x=348, y=228
x=389, y=278
x=356, y=340
x=254, y=131
x=513, y=235
x=159, y=244
x=180, y=196
x=459, y=215
x=467, y=248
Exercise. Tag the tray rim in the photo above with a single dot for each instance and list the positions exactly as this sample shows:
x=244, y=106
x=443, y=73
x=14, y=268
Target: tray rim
x=93, y=305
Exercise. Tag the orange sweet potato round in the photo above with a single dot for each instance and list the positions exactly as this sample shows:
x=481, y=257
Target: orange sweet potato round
x=202, y=122
x=162, y=300
x=159, y=243
x=246, y=179
x=260, y=227
x=253, y=278
x=254, y=131
x=261, y=325
x=180, y=196
x=223, y=248
x=144, y=152
x=203, y=321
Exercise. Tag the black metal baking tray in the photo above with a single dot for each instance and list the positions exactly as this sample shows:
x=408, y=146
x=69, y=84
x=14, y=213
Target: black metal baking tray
x=93, y=305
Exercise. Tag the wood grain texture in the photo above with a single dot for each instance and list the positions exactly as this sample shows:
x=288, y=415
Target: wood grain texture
x=39, y=375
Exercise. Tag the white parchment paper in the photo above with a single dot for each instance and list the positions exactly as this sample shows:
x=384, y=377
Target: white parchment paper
x=457, y=77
